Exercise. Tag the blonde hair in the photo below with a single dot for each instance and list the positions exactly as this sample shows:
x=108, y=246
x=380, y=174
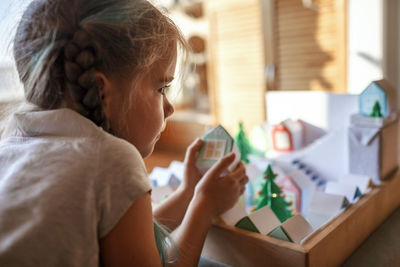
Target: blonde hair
x=60, y=44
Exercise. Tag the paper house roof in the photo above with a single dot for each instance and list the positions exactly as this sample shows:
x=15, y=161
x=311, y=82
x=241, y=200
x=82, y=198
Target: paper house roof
x=217, y=143
x=261, y=221
x=295, y=229
x=234, y=215
x=350, y=191
x=361, y=181
x=380, y=91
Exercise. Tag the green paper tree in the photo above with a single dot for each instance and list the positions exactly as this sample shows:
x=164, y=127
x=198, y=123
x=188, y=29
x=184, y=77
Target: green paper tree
x=243, y=144
x=376, y=110
x=270, y=196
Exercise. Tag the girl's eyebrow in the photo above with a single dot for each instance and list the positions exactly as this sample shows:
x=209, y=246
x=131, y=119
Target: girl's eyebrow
x=167, y=79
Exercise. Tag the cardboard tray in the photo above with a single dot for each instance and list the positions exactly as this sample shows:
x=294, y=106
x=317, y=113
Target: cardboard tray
x=330, y=246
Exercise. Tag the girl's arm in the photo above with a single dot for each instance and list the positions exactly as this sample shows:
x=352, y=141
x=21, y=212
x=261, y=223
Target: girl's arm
x=132, y=241
x=171, y=212
x=213, y=196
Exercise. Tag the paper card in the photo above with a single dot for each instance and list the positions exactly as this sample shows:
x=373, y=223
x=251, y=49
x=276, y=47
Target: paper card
x=351, y=192
x=363, y=182
x=235, y=214
x=234, y=164
x=297, y=228
x=265, y=220
x=327, y=204
x=158, y=194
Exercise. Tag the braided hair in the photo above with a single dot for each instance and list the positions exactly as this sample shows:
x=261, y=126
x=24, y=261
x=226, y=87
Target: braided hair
x=60, y=45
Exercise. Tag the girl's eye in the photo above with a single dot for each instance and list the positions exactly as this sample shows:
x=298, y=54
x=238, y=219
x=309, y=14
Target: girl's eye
x=164, y=89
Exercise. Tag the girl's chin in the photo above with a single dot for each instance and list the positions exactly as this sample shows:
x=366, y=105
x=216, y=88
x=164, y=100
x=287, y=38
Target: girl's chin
x=148, y=150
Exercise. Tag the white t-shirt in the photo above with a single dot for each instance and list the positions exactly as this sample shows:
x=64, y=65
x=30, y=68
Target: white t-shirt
x=64, y=184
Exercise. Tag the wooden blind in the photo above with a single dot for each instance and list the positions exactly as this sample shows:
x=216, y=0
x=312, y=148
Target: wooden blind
x=236, y=73
x=310, y=45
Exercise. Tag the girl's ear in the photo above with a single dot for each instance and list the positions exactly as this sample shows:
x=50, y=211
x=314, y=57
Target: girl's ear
x=105, y=90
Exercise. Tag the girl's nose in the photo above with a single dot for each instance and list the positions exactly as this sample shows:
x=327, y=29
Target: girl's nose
x=168, y=108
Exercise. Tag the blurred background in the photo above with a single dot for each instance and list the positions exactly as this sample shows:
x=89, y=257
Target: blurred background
x=244, y=48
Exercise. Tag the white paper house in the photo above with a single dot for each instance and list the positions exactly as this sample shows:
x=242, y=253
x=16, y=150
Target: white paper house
x=216, y=144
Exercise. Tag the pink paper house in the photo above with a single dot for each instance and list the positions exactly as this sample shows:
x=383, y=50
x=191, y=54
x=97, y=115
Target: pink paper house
x=292, y=192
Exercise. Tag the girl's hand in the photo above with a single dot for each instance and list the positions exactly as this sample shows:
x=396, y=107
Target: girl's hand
x=220, y=193
x=191, y=175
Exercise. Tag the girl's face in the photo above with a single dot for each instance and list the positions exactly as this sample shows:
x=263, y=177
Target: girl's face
x=142, y=122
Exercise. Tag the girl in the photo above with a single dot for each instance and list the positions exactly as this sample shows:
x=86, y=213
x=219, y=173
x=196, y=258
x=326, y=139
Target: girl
x=73, y=187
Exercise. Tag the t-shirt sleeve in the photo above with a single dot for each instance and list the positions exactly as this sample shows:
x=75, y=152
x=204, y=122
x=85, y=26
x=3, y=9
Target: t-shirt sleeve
x=122, y=179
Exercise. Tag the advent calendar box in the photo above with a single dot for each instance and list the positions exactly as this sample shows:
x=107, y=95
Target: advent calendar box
x=373, y=146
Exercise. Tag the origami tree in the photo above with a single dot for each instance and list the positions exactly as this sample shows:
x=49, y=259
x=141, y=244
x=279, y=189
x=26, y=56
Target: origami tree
x=376, y=110
x=270, y=196
x=243, y=144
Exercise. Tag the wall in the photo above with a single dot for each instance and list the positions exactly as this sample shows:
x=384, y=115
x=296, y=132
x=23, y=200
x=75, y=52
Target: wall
x=365, y=47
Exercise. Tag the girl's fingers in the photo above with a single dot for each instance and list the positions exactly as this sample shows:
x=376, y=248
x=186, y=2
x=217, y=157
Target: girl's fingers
x=239, y=172
x=222, y=164
x=192, y=150
x=242, y=190
x=243, y=180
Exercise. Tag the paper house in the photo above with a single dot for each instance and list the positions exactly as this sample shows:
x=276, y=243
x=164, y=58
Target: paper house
x=350, y=191
x=294, y=230
x=261, y=221
x=324, y=207
x=282, y=140
x=288, y=136
x=307, y=188
x=217, y=143
x=292, y=192
x=373, y=150
x=380, y=92
x=363, y=182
